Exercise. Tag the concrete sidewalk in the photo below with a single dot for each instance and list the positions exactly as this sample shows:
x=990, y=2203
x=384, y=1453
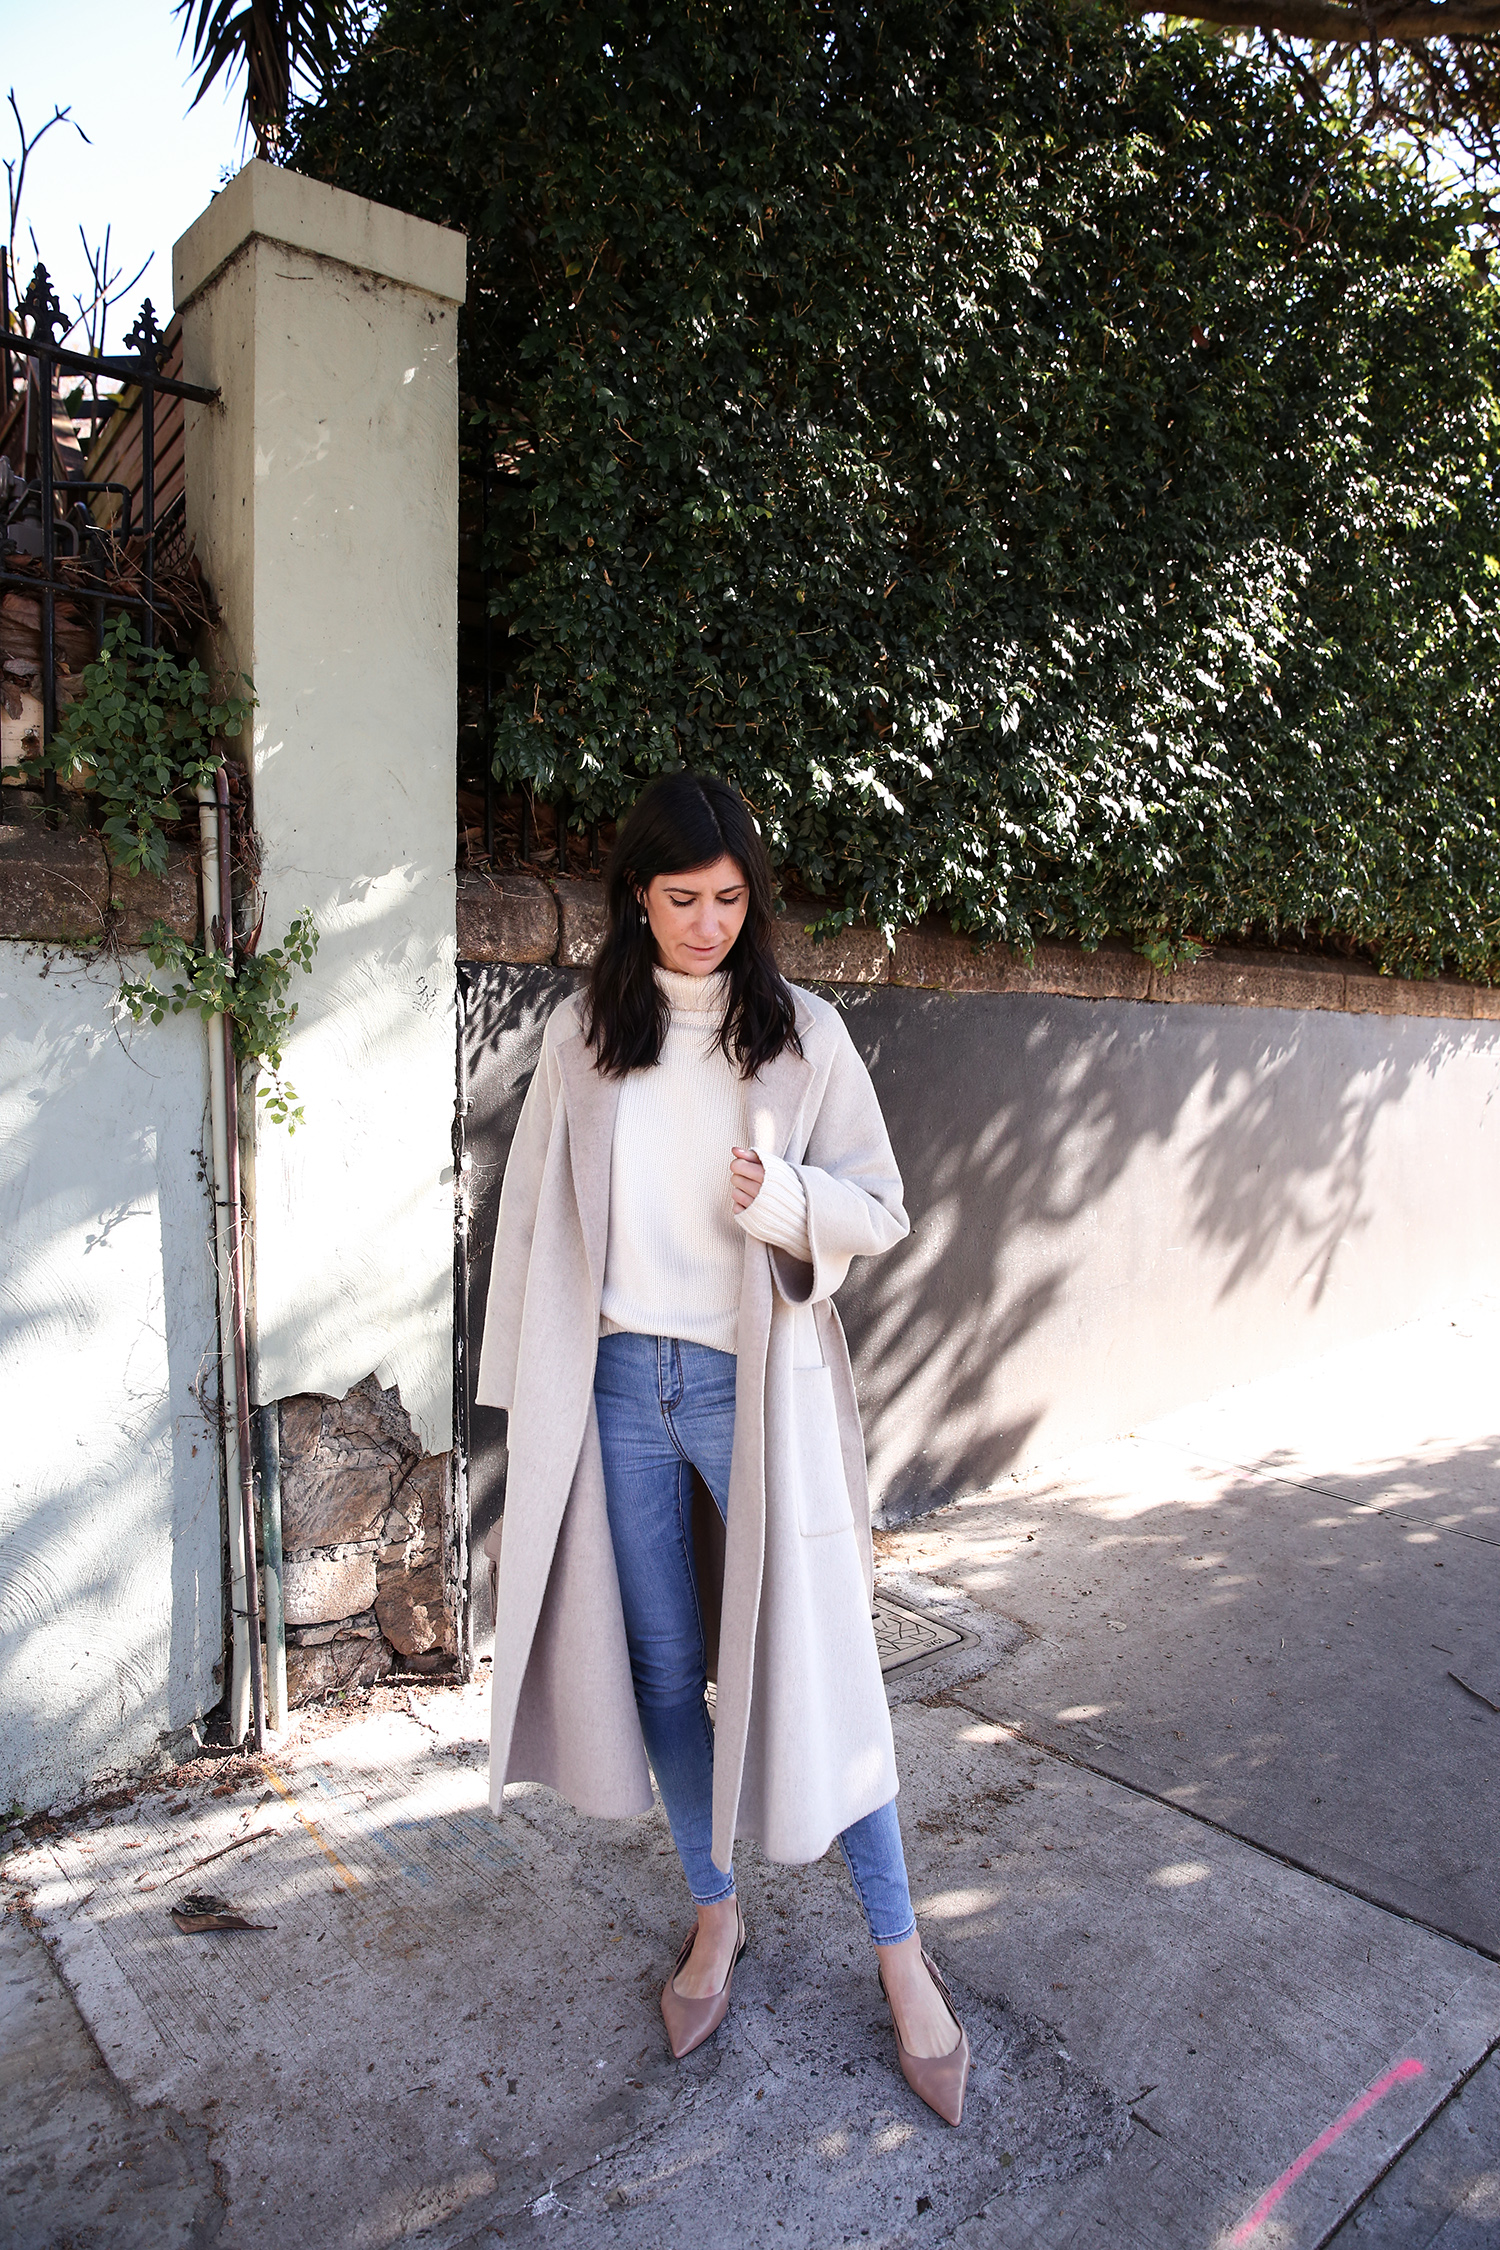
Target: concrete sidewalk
x=1199, y=1825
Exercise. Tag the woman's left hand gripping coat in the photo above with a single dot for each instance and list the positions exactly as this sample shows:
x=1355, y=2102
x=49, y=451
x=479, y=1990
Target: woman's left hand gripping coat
x=802, y=1731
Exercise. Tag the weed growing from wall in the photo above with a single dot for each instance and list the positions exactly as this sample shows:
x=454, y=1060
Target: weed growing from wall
x=252, y=995
x=141, y=738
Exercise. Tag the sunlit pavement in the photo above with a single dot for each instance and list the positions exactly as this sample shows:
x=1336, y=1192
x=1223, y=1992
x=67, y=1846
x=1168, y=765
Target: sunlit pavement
x=1200, y=1827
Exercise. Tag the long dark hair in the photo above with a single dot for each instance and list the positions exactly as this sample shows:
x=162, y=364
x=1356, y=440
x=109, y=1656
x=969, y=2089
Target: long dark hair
x=679, y=822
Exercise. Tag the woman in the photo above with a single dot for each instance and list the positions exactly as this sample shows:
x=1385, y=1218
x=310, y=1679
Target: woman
x=699, y=1158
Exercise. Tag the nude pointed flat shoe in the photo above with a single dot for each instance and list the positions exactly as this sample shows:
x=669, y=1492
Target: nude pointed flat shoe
x=690, y=2022
x=938, y=2080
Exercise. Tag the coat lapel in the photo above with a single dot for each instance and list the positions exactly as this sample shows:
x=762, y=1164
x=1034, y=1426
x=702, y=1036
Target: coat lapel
x=774, y=1097
x=590, y=1100
x=773, y=1100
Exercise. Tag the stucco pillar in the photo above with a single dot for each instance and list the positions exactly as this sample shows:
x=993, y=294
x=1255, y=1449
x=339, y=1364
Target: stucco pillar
x=323, y=496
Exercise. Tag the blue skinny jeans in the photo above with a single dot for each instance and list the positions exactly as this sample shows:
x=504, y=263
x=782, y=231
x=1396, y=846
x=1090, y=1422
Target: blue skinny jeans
x=664, y=1409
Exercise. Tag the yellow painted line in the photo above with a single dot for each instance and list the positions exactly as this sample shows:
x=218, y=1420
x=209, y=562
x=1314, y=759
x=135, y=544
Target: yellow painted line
x=326, y=1849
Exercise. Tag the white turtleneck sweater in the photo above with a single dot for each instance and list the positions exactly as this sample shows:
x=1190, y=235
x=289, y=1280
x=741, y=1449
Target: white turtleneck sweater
x=676, y=1247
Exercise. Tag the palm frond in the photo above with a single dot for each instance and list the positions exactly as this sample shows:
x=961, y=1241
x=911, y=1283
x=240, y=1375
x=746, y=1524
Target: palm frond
x=273, y=42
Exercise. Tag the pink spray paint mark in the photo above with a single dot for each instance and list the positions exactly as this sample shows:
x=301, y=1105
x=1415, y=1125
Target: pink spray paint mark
x=1396, y=2076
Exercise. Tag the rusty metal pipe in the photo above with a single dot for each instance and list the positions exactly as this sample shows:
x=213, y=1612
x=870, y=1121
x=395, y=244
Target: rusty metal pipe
x=274, y=1578
x=237, y=1276
x=239, y=1649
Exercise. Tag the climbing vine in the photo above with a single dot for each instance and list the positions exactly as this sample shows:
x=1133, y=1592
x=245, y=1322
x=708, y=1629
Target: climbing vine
x=251, y=993
x=141, y=738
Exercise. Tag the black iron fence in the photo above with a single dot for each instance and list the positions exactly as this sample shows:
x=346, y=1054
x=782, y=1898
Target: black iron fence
x=45, y=517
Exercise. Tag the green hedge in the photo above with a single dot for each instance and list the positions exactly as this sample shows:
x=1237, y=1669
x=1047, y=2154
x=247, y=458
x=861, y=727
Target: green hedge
x=1051, y=472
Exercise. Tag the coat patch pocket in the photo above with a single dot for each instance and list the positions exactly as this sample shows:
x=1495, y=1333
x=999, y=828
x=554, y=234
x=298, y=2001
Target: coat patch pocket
x=817, y=1464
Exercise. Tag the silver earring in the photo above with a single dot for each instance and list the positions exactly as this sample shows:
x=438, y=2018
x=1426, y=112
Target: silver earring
x=645, y=919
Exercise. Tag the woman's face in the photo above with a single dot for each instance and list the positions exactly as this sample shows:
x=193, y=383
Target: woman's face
x=696, y=916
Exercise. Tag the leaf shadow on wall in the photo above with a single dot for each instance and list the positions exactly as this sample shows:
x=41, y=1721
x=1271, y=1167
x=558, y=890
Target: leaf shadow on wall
x=1072, y=1168
x=1028, y=1128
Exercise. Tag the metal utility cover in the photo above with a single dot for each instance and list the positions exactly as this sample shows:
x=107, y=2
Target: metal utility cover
x=905, y=1637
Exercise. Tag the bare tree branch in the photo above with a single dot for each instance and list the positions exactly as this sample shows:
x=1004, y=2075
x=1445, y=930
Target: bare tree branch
x=15, y=168
x=1423, y=78
x=94, y=309
x=1318, y=20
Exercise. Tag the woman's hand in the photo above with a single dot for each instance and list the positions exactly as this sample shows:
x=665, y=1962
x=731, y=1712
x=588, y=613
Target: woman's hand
x=746, y=1177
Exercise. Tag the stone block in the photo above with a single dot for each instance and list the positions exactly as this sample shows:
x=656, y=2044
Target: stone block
x=347, y=1662
x=941, y=959
x=850, y=956
x=353, y=1474
x=367, y=1424
x=421, y=1493
x=305, y=1670
x=507, y=916
x=935, y=957
x=57, y=886
x=1486, y=1002
x=263, y=202
x=54, y=883
x=1110, y=973
x=323, y=1588
x=333, y=1504
x=581, y=907
x=136, y=901
x=1215, y=982
x=412, y=1608
x=301, y=1427
x=1372, y=995
x=411, y=1600
x=1367, y=993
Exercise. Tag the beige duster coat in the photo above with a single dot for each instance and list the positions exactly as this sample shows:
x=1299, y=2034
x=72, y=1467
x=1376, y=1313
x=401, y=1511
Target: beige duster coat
x=802, y=1736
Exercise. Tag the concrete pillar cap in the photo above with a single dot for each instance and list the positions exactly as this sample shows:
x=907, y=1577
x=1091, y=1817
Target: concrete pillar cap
x=325, y=222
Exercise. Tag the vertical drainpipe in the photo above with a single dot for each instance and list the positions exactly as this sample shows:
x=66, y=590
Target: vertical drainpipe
x=270, y=1540
x=239, y=1673
x=247, y=1684
x=462, y=1185
x=235, y=1217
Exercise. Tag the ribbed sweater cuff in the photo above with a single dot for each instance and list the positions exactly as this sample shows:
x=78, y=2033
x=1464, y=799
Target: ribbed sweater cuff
x=779, y=1213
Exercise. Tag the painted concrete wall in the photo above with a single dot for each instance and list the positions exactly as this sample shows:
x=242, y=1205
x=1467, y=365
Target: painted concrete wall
x=1120, y=1207
x=1117, y=1207
x=323, y=496
x=111, y=1621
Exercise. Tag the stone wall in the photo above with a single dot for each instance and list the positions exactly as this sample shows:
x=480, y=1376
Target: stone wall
x=513, y=917
x=368, y=1539
x=58, y=888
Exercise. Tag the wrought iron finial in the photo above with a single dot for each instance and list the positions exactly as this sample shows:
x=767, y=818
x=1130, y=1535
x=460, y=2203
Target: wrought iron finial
x=145, y=338
x=40, y=309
